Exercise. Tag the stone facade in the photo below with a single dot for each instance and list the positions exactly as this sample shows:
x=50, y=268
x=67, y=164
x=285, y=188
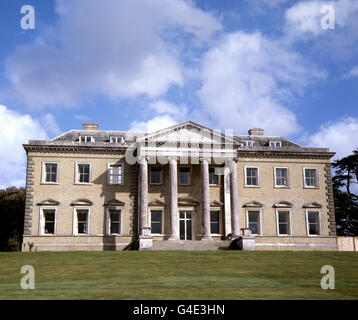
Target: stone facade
x=201, y=214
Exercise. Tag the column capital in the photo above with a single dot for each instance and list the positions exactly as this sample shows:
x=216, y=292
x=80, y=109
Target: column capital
x=142, y=159
x=173, y=159
x=205, y=160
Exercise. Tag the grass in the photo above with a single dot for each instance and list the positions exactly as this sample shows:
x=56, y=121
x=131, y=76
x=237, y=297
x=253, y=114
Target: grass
x=179, y=275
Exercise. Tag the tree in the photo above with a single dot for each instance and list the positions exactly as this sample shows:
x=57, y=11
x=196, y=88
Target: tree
x=345, y=200
x=12, y=210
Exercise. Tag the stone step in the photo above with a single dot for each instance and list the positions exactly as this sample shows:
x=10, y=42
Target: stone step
x=190, y=244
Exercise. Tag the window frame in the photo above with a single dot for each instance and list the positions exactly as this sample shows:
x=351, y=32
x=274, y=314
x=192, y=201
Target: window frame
x=92, y=139
x=42, y=222
x=162, y=221
x=43, y=178
x=122, y=174
x=319, y=223
x=275, y=177
x=190, y=171
x=289, y=222
x=245, y=143
x=108, y=222
x=260, y=219
x=213, y=209
x=218, y=177
x=161, y=175
x=75, y=220
x=77, y=173
x=275, y=142
x=258, y=177
x=304, y=178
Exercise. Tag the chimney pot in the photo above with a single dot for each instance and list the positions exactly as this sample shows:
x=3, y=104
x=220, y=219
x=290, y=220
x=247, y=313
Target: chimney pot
x=90, y=126
x=256, y=132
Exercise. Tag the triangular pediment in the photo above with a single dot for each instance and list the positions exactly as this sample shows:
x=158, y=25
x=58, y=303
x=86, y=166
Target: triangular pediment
x=216, y=203
x=187, y=201
x=156, y=202
x=48, y=202
x=114, y=203
x=187, y=132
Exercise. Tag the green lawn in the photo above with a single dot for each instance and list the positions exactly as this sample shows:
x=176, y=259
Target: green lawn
x=179, y=275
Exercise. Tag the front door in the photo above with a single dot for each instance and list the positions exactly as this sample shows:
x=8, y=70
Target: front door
x=185, y=225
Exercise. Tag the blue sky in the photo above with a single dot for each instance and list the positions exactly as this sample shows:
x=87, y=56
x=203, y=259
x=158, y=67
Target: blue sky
x=147, y=64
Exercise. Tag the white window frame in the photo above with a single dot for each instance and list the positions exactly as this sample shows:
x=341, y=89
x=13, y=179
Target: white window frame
x=80, y=137
x=108, y=222
x=258, y=176
x=150, y=176
x=150, y=220
x=75, y=220
x=289, y=222
x=288, y=178
x=218, y=177
x=319, y=221
x=77, y=174
x=108, y=174
x=43, y=179
x=184, y=184
x=42, y=221
x=246, y=143
x=260, y=219
x=220, y=219
x=304, y=178
x=275, y=142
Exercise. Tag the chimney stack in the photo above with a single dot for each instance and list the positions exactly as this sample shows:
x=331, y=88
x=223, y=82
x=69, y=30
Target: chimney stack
x=90, y=126
x=256, y=132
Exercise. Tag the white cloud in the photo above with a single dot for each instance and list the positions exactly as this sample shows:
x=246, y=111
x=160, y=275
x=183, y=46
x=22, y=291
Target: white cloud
x=115, y=48
x=16, y=129
x=157, y=123
x=246, y=80
x=48, y=121
x=162, y=106
x=340, y=137
x=352, y=73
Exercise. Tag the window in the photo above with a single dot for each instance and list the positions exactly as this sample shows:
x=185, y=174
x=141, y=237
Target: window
x=313, y=222
x=156, y=221
x=214, y=222
x=48, y=221
x=275, y=144
x=50, y=172
x=253, y=221
x=281, y=177
x=83, y=174
x=114, y=221
x=81, y=221
x=213, y=178
x=310, y=177
x=116, y=139
x=252, y=176
x=248, y=143
x=155, y=175
x=283, y=222
x=184, y=176
x=115, y=173
x=86, y=139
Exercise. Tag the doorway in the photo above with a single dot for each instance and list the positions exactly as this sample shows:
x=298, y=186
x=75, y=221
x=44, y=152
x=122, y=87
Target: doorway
x=185, y=224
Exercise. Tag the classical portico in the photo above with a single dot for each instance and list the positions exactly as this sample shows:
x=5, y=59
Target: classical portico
x=190, y=145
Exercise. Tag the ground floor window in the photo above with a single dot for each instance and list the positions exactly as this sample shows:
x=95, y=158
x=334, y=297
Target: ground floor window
x=48, y=221
x=214, y=222
x=156, y=221
x=114, y=221
x=253, y=221
x=81, y=221
x=283, y=221
x=313, y=223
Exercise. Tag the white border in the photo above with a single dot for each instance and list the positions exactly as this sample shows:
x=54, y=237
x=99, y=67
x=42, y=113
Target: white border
x=304, y=178
x=75, y=225
x=289, y=222
x=108, y=223
x=319, y=221
x=260, y=219
x=76, y=173
x=288, y=177
x=258, y=177
x=43, y=178
x=42, y=222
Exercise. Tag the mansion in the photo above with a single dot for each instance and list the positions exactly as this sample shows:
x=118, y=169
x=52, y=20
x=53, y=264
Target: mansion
x=186, y=187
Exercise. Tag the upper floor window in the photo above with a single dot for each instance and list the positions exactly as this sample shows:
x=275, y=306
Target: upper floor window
x=215, y=222
x=253, y=221
x=156, y=176
x=252, y=176
x=48, y=221
x=83, y=172
x=275, y=144
x=310, y=177
x=50, y=172
x=116, y=139
x=248, y=143
x=213, y=177
x=313, y=223
x=184, y=175
x=283, y=222
x=156, y=221
x=281, y=177
x=115, y=173
x=86, y=139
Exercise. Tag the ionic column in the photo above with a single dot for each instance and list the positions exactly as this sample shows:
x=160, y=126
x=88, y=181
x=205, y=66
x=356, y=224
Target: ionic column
x=144, y=229
x=235, y=227
x=174, y=217
x=206, y=199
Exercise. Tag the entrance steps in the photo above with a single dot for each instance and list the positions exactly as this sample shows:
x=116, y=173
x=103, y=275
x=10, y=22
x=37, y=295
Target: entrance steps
x=191, y=244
